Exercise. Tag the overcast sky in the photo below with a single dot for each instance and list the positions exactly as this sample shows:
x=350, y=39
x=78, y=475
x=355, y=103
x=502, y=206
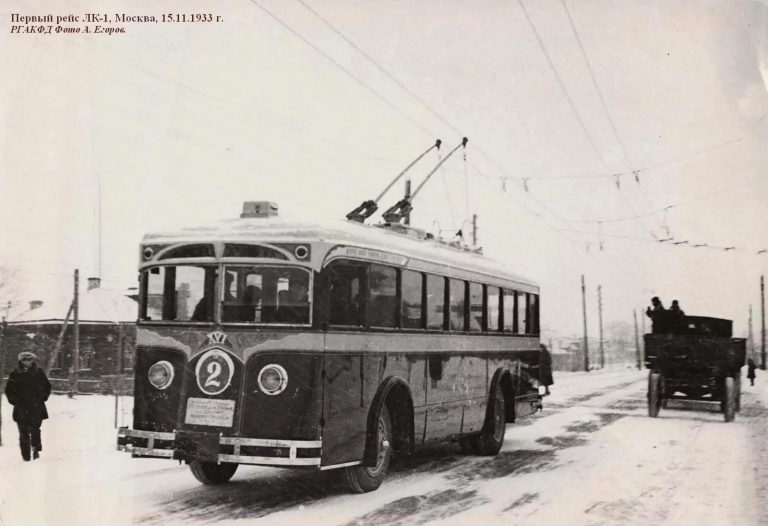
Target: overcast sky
x=318, y=104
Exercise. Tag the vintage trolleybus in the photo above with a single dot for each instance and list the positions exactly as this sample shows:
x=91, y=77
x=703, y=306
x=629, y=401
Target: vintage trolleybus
x=284, y=343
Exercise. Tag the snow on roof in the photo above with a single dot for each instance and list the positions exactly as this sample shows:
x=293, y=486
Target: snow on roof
x=95, y=305
x=277, y=228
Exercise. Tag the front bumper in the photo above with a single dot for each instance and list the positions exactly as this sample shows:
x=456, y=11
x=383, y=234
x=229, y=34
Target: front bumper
x=216, y=448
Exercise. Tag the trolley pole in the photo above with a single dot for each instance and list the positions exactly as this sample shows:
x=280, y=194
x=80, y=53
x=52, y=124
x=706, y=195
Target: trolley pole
x=762, y=318
x=600, y=324
x=474, y=230
x=584, y=311
x=637, y=342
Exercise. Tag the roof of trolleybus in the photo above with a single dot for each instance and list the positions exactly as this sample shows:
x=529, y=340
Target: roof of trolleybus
x=410, y=248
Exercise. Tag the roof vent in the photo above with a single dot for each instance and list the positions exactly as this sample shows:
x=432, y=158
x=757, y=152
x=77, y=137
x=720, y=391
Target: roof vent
x=259, y=209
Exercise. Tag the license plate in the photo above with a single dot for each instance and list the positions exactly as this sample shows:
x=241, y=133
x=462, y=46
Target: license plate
x=210, y=412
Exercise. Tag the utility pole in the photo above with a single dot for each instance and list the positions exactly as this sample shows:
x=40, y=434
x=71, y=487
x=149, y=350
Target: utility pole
x=637, y=342
x=600, y=324
x=407, y=218
x=751, y=336
x=584, y=310
x=3, y=335
x=762, y=318
x=75, y=365
x=474, y=230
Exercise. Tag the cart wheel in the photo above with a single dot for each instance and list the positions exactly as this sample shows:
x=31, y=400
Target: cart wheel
x=729, y=402
x=210, y=473
x=655, y=391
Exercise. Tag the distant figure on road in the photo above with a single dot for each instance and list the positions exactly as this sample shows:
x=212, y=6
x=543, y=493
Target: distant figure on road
x=657, y=315
x=545, y=369
x=751, y=371
x=676, y=317
x=27, y=390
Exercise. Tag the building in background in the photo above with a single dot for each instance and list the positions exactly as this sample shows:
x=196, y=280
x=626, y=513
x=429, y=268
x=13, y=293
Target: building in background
x=107, y=327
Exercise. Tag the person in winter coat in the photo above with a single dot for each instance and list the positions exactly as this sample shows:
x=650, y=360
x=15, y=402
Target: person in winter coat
x=751, y=371
x=27, y=390
x=545, y=369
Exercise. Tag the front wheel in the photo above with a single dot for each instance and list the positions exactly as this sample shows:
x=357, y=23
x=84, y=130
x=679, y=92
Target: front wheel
x=729, y=400
x=211, y=473
x=362, y=479
x=654, y=394
x=491, y=438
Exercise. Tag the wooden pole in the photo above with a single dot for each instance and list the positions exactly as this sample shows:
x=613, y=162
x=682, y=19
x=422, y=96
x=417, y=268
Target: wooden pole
x=600, y=324
x=3, y=335
x=637, y=342
x=55, y=353
x=407, y=219
x=762, y=318
x=75, y=366
x=584, y=310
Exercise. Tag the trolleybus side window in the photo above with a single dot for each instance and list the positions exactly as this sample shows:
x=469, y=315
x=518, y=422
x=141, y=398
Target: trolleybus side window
x=266, y=294
x=347, y=286
x=382, y=308
x=457, y=304
x=435, y=302
x=532, y=326
x=412, y=299
x=178, y=293
x=510, y=304
x=492, y=309
x=522, y=313
x=476, y=312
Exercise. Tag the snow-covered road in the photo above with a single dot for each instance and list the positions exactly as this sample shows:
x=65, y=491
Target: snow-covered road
x=592, y=457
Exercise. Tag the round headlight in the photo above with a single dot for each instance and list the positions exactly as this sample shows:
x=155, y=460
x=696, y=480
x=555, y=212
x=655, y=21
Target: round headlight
x=148, y=253
x=272, y=379
x=161, y=374
x=301, y=252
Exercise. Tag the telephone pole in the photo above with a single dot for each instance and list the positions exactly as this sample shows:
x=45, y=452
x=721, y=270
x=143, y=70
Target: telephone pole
x=584, y=310
x=751, y=337
x=637, y=342
x=600, y=324
x=75, y=365
x=407, y=218
x=762, y=318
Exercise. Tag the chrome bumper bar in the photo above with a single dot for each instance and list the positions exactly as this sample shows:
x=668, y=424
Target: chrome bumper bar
x=163, y=444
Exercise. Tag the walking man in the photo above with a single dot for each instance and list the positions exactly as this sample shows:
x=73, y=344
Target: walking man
x=27, y=390
x=751, y=371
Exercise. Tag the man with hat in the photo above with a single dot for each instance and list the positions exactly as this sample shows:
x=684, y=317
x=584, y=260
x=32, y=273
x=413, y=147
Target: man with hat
x=27, y=390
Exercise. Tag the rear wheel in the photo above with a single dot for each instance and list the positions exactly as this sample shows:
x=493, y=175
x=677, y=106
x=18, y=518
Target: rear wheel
x=362, y=479
x=491, y=438
x=729, y=399
x=212, y=473
x=654, y=394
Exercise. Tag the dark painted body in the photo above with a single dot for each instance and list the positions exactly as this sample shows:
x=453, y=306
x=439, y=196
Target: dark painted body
x=334, y=377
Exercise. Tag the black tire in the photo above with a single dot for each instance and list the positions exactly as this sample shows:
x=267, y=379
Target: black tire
x=211, y=473
x=729, y=399
x=362, y=479
x=654, y=394
x=491, y=438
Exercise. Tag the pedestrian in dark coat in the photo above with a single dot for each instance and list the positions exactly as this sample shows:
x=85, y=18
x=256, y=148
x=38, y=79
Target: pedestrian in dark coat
x=545, y=368
x=751, y=371
x=27, y=390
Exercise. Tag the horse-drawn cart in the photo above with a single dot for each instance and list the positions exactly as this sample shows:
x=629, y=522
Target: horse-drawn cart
x=697, y=360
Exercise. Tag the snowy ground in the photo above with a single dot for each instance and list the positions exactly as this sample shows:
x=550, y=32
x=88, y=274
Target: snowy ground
x=592, y=457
